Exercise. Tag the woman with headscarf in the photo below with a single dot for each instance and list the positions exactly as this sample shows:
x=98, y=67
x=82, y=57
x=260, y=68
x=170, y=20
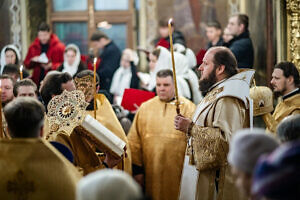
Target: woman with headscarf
x=189, y=59
x=162, y=60
x=9, y=55
x=72, y=63
x=125, y=76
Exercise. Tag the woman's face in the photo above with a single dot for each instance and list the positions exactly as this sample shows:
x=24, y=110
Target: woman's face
x=70, y=56
x=152, y=62
x=125, y=61
x=10, y=57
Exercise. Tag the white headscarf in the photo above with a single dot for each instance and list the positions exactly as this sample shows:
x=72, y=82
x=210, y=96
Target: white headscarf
x=191, y=58
x=183, y=68
x=122, y=77
x=163, y=62
x=107, y=184
x=2, y=59
x=71, y=69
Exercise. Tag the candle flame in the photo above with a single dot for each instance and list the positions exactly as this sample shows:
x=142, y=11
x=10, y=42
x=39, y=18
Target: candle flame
x=21, y=68
x=170, y=21
x=95, y=60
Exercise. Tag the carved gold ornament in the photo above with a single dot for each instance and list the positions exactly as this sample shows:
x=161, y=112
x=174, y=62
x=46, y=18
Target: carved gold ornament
x=86, y=85
x=66, y=111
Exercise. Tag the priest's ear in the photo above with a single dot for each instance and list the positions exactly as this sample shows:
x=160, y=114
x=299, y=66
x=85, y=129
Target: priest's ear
x=290, y=80
x=97, y=88
x=220, y=70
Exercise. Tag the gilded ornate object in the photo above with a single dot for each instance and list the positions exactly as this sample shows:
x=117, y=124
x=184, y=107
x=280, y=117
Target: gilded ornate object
x=293, y=36
x=66, y=111
x=85, y=84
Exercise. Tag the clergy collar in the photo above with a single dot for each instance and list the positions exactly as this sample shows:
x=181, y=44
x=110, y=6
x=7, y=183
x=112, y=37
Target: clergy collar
x=169, y=100
x=292, y=93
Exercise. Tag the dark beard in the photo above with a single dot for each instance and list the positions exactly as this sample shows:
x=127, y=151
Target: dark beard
x=277, y=94
x=205, y=84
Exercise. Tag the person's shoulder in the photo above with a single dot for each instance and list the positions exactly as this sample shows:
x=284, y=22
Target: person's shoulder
x=35, y=44
x=230, y=101
x=55, y=42
x=149, y=104
x=185, y=100
x=187, y=103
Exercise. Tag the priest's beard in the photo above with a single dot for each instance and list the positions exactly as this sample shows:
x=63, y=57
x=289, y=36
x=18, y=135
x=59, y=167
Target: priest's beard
x=206, y=83
x=281, y=92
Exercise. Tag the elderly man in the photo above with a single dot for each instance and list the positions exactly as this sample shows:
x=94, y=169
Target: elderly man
x=223, y=110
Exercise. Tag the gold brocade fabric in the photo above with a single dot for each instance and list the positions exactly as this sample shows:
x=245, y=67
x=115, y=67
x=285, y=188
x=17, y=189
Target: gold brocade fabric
x=225, y=116
x=32, y=169
x=289, y=106
x=4, y=132
x=85, y=156
x=158, y=147
x=107, y=117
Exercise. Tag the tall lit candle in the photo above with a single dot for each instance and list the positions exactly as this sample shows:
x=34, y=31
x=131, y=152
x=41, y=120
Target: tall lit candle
x=21, y=72
x=95, y=88
x=173, y=65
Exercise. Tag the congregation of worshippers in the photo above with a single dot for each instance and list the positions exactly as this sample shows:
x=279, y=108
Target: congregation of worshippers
x=99, y=128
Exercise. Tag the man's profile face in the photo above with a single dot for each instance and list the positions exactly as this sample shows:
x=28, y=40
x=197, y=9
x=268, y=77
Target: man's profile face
x=233, y=26
x=278, y=81
x=26, y=91
x=165, y=88
x=69, y=86
x=6, y=90
x=208, y=73
x=44, y=36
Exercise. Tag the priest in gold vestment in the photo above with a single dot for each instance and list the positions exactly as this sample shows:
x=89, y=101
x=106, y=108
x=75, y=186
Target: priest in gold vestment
x=31, y=168
x=104, y=113
x=285, y=82
x=84, y=151
x=157, y=148
x=224, y=110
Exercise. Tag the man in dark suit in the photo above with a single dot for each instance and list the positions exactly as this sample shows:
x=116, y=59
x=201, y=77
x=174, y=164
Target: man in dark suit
x=241, y=44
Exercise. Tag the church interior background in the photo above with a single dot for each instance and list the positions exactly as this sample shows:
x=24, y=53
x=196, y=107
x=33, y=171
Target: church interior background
x=274, y=24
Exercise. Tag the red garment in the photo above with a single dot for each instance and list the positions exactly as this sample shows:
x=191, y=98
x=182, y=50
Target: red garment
x=55, y=55
x=89, y=62
x=164, y=43
x=200, y=56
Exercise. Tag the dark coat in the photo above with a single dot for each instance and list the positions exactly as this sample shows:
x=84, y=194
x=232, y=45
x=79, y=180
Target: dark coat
x=110, y=61
x=242, y=48
x=219, y=43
